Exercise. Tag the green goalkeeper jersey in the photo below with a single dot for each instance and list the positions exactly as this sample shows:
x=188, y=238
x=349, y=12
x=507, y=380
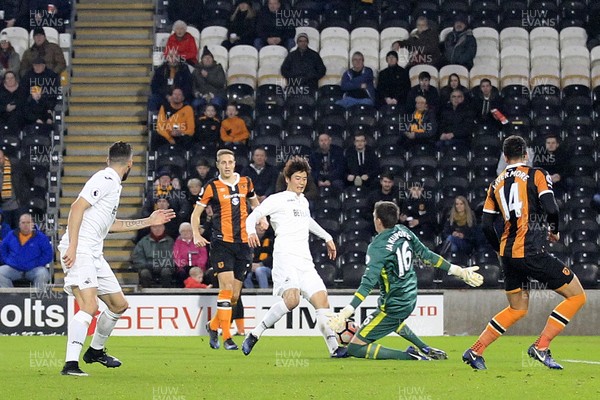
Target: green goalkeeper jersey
x=389, y=262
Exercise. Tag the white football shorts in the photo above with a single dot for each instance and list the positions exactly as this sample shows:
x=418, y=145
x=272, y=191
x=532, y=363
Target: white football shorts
x=90, y=272
x=295, y=273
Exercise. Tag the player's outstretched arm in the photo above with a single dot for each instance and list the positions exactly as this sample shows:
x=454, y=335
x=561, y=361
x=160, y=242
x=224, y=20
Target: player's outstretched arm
x=158, y=217
x=73, y=225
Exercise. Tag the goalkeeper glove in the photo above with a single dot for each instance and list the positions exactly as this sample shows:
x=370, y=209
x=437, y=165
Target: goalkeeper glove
x=337, y=322
x=467, y=275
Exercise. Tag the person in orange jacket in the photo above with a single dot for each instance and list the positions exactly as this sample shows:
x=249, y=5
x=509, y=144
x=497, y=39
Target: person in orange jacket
x=176, y=120
x=233, y=128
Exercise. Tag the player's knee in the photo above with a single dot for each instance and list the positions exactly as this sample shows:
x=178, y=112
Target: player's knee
x=579, y=299
x=291, y=302
x=517, y=314
x=120, y=308
x=234, y=299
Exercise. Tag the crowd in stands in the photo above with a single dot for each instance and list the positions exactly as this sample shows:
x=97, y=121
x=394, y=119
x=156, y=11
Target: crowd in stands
x=431, y=147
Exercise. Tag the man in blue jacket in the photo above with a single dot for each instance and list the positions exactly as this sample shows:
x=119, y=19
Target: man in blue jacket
x=357, y=83
x=25, y=253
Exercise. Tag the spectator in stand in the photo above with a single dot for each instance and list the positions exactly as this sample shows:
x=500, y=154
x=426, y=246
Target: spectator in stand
x=41, y=76
x=271, y=26
x=25, y=253
x=460, y=46
x=171, y=74
x=208, y=126
x=12, y=102
x=242, y=26
x=554, y=160
x=194, y=281
x=303, y=68
x=423, y=45
x=485, y=100
x=16, y=179
x=233, y=128
x=210, y=82
x=182, y=44
x=263, y=174
x=418, y=213
x=362, y=164
x=194, y=187
x=262, y=263
x=38, y=111
x=51, y=54
x=152, y=258
x=393, y=83
x=186, y=255
x=357, y=83
x=165, y=189
x=423, y=89
x=189, y=11
x=456, y=122
x=9, y=58
x=452, y=84
x=51, y=13
x=420, y=126
x=175, y=121
x=387, y=191
x=459, y=229
x=327, y=164
x=203, y=172
x=164, y=203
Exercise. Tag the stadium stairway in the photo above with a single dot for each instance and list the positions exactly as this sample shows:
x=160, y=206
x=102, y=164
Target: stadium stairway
x=111, y=64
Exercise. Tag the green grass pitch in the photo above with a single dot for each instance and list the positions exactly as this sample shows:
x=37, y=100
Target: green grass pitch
x=185, y=368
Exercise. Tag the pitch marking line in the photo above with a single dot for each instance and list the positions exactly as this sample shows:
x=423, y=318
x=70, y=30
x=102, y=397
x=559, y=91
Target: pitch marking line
x=583, y=362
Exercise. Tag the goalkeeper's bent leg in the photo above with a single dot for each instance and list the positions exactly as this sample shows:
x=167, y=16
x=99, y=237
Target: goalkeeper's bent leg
x=496, y=328
x=405, y=332
x=375, y=351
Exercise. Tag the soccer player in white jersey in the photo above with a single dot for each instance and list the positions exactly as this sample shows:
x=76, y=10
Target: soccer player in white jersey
x=294, y=273
x=88, y=276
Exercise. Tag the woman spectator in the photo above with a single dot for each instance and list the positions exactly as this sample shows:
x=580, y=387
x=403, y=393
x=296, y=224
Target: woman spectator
x=186, y=254
x=242, y=26
x=459, y=229
x=453, y=83
x=9, y=58
x=12, y=101
x=38, y=111
x=182, y=44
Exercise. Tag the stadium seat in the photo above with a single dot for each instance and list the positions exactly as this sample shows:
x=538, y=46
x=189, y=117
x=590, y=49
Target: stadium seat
x=328, y=212
x=545, y=56
x=545, y=74
x=243, y=54
x=327, y=272
x=582, y=230
x=541, y=15
x=352, y=274
x=51, y=35
x=210, y=35
x=335, y=37
x=558, y=250
x=514, y=74
x=365, y=37
x=337, y=17
x=417, y=69
x=239, y=91
x=454, y=186
x=365, y=17
x=486, y=146
x=390, y=35
x=484, y=166
x=314, y=40
x=512, y=14
x=454, y=166
x=574, y=14
x=487, y=12
x=584, y=252
x=513, y=36
x=479, y=72
x=544, y=36
x=573, y=56
x=486, y=56
x=422, y=166
x=242, y=73
x=545, y=104
x=587, y=274
x=491, y=276
x=425, y=275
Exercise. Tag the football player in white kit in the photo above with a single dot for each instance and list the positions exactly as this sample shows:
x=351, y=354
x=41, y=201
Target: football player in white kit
x=88, y=276
x=294, y=272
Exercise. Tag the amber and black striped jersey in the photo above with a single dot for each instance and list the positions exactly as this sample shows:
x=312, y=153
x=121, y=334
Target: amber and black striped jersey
x=230, y=207
x=515, y=194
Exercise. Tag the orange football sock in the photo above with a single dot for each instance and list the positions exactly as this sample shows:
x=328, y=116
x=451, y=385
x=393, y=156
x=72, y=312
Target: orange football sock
x=496, y=327
x=559, y=318
x=239, y=324
x=224, y=312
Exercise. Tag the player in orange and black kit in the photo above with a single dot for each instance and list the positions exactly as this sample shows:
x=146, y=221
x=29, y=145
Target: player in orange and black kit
x=524, y=197
x=230, y=256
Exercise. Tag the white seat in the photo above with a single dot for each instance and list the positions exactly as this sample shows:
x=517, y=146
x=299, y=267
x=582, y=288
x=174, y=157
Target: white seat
x=365, y=37
x=314, y=40
x=20, y=49
x=514, y=37
x=19, y=39
x=330, y=80
x=487, y=56
x=157, y=58
x=241, y=73
x=335, y=37
x=479, y=72
x=51, y=35
x=544, y=55
x=572, y=36
x=462, y=72
x=595, y=56
x=219, y=54
x=244, y=54
x=161, y=39
x=596, y=76
x=486, y=37
x=270, y=74
x=335, y=60
x=272, y=54
x=575, y=75
x=545, y=74
x=445, y=33
x=575, y=55
x=67, y=56
x=514, y=55
x=414, y=72
x=514, y=75
x=64, y=40
x=211, y=35
x=390, y=35
x=543, y=36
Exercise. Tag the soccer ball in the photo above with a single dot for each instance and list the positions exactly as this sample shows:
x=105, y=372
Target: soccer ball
x=347, y=333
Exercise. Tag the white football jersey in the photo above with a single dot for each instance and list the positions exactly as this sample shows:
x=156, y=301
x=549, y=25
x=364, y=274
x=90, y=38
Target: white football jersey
x=102, y=191
x=291, y=220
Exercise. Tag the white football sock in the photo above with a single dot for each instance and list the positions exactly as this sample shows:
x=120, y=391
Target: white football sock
x=328, y=333
x=76, y=334
x=275, y=313
x=104, y=326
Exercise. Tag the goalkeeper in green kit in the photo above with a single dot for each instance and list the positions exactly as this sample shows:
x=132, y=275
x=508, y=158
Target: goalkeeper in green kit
x=390, y=263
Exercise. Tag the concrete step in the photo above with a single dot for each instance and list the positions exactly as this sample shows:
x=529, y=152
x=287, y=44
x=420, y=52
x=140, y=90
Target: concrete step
x=114, y=5
x=84, y=15
x=148, y=43
x=115, y=24
x=125, y=211
x=142, y=80
x=113, y=71
x=113, y=33
x=128, y=190
x=128, y=99
x=111, y=51
x=117, y=129
x=106, y=120
x=118, y=244
x=127, y=201
x=113, y=89
x=77, y=61
x=81, y=180
x=129, y=235
x=132, y=139
x=108, y=110
x=86, y=169
x=99, y=149
x=98, y=160
x=118, y=254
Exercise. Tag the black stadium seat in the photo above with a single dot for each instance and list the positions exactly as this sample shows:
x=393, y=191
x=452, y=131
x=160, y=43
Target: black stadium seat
x=587, y=274
x=327, y=272
x=352, y=275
